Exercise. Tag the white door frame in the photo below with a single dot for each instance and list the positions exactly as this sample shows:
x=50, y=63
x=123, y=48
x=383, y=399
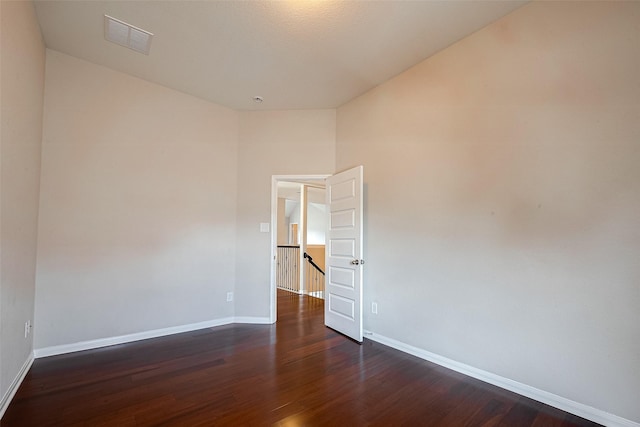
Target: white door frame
x=273, y=314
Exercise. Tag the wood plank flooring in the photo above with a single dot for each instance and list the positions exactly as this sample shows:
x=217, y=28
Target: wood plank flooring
x=293, y=373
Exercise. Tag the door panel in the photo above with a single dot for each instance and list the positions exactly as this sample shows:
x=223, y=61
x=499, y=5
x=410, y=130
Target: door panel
x=343, y=248
x=343, y=302
x=340, y=306
x=342, y=277
x=343, y=219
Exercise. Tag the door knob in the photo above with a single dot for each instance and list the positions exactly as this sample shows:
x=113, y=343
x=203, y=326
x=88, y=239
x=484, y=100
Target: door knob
x=355, y=262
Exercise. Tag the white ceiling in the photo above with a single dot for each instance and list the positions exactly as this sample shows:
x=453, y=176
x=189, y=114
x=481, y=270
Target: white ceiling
x=297, y=54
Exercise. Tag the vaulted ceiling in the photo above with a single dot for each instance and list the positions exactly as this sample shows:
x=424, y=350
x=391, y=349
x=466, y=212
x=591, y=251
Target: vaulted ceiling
x=297, y=54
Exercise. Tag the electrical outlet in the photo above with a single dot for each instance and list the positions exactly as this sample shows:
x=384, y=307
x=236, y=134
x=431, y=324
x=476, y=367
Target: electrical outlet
x=374, y=307
x=229, y=296
x=27, y=326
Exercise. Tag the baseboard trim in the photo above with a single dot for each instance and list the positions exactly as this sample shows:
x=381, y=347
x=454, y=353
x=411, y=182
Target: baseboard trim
x=545, y=397
x=122, y=339
x=252, y=320
x=13, y=388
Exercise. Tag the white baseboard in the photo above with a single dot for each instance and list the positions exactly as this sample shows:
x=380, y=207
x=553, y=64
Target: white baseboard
x=15, y=384
x=252, y=320
x=105, y=342
x=545, y=397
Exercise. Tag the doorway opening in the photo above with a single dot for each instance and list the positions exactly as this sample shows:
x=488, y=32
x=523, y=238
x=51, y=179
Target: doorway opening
x=298, y=224
x=343, y=290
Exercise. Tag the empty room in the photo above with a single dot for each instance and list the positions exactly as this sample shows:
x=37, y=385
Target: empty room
x=307, y=212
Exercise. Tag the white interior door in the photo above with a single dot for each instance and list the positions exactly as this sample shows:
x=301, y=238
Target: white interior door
x=344, y=259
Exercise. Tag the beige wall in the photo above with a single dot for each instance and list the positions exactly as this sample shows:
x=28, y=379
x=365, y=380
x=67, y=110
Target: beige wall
x=22, y=86
x=317, y=253
x=272, y=143
x=138, y=200
x=139, y=203
x=514, y=158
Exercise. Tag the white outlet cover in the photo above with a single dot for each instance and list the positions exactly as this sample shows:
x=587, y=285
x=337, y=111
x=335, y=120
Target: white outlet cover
x=264, y=227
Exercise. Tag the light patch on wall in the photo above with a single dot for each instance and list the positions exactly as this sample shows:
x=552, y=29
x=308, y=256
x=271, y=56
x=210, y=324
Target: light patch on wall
x=119, y=32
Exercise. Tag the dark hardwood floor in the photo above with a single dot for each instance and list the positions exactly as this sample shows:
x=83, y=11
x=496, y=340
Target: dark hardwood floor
x=293, y=373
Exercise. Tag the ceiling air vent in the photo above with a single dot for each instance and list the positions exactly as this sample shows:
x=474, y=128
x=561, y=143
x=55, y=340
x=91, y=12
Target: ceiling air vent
x=127, y=35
